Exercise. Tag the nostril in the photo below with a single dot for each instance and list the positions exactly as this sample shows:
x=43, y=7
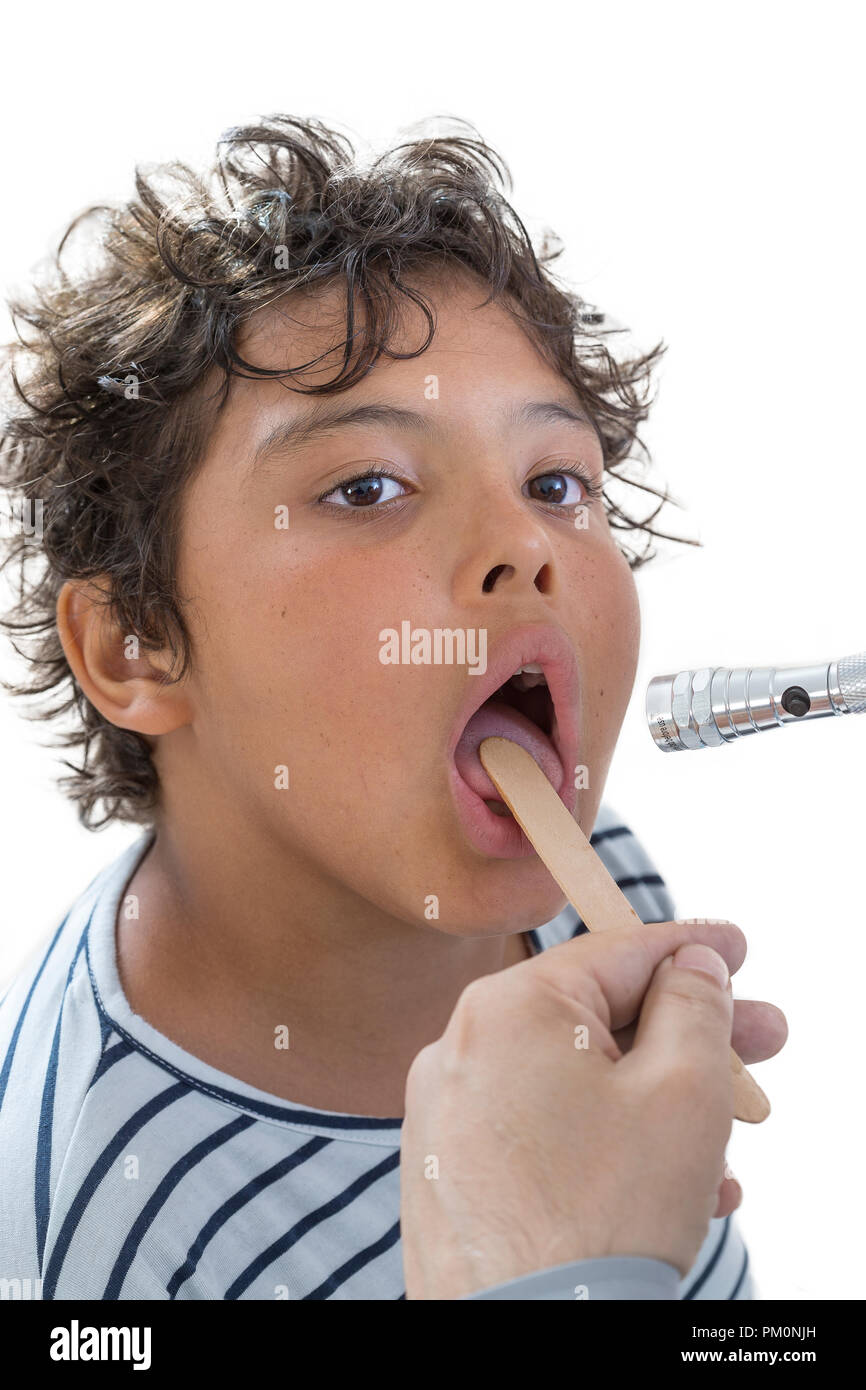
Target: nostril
x=544, y=580
x=494, y=575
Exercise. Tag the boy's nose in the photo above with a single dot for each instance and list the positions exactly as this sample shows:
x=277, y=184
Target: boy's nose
x=517, y=557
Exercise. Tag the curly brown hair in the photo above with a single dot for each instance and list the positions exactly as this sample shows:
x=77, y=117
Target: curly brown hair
x=108, y=421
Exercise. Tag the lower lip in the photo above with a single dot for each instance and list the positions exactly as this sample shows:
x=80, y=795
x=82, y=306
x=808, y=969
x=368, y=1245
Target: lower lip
x=499, y=837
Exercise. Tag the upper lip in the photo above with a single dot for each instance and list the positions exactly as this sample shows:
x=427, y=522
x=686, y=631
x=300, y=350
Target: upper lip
x=548, y=647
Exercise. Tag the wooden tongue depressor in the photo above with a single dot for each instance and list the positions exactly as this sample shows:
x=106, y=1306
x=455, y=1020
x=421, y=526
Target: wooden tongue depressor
x=562, y=846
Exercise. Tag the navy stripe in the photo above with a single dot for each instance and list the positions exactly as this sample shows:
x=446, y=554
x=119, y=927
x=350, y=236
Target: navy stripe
x=78, y=1206
x=45, y=1135
x=711, y=1264
x=363, y=1257
x=280, y=1246
x=263, y=1108
x=608, y=834
x=147, y=1215
x=742, y=1275
x=7, y=1063
x=636, y=880
x=105, y=1031
x=234, y=1203
x=115, y=1053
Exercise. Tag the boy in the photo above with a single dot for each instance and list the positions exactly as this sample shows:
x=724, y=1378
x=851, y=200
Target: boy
x=321, y=454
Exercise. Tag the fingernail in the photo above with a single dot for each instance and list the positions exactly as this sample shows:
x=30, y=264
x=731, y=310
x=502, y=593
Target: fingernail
x=703, y=959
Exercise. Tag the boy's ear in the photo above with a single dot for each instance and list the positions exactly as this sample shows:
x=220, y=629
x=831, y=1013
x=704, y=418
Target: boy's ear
x=125, y=684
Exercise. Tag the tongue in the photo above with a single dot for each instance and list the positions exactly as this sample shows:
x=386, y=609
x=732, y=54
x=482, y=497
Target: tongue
x=498, y=720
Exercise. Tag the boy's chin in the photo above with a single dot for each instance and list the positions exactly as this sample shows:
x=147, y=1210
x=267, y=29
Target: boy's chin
x=520, y=912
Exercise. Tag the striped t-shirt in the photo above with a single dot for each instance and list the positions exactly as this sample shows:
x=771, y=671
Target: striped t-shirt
x=131, y=1169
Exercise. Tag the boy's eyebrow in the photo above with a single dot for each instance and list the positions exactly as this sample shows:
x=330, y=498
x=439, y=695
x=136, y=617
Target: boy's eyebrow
x=287, y=436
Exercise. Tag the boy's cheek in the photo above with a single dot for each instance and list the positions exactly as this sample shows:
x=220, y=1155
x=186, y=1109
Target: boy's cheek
x=322, y=696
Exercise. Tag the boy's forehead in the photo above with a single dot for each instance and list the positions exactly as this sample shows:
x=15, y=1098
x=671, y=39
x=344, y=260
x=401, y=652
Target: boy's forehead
x=309, y=329
x=489, y=376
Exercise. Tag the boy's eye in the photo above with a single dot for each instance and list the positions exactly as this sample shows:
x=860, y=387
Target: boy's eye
x=365, y=491
x=560, y=489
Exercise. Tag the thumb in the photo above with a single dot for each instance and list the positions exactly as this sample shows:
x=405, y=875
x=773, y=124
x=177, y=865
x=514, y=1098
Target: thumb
x=688, y=1012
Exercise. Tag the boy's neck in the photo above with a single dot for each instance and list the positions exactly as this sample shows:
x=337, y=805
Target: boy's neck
x=224, y=957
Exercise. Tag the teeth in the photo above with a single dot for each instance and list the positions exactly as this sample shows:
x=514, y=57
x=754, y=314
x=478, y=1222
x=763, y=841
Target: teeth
x=528, y=676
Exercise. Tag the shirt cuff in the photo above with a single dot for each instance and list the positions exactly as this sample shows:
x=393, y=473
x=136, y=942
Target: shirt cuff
x=608, y=1276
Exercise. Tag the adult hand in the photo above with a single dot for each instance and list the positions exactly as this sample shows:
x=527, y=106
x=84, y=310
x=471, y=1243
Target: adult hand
x=531, y=1138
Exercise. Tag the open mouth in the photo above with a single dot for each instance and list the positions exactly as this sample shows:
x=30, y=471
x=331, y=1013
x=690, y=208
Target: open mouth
x=521, y=709
x=529, y=693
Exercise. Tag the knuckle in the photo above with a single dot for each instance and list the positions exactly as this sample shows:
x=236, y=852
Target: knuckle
x=474, y=997
x=424, y=1058
x=421, y=1068
x=467, y=1022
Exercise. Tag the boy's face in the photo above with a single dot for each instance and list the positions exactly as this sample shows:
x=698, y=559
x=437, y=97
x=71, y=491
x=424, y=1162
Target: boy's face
x=289, y=597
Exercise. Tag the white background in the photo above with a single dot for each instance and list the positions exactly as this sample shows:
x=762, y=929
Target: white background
x=704, y=168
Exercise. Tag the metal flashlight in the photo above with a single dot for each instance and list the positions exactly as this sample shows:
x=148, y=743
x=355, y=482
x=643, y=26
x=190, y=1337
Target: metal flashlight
x=705, y=708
